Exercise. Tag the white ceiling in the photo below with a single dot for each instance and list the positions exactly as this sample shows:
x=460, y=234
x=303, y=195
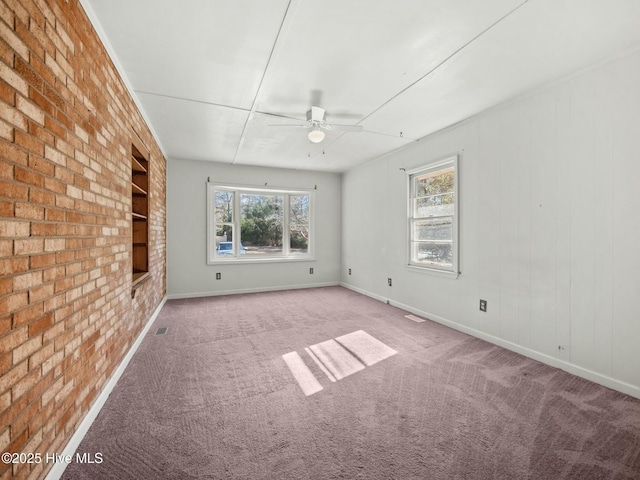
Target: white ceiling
x=212, y=76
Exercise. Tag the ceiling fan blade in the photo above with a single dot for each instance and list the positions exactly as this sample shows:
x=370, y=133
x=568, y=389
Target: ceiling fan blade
x=346, y=128
x=317, y=114
x=289, y=125
x=280, y=115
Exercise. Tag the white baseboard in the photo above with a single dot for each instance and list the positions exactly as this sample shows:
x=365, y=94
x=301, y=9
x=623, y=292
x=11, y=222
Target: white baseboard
x=572, y=368
x=175, y=296
x=74, y=442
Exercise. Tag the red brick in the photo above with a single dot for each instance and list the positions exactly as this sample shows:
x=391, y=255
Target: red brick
x=41, y=261
x=13, y=190
x=5, y=326
x=27, y=246
x=43, y=229
x=39, y=293
x=6, y=208
x=7, y=131
x=22, y=351
x=42, y=133
x=14, y=79
x=27, y=280
x=56, y=98
x=30, y=40
x=18, y=442
x=30, y=211
x=13, y=228
x=29, y=176
x=6, y=248
x=6, y=286
x=54, y=127
x=40, y=68
x=41, y=101
x=13, y=153
x=54, y=215
x=7, y=94
x=10, y=341
x=41, y=197
x=38, y=326
x=13, y=302
x=63, y=284
x=13, y=265
x=41, y=165
x=6, y=171
x=22, y=422
x=39, y=357
x=28, y=314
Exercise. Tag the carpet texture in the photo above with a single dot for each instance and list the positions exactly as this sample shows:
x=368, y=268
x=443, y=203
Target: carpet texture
x=220, y=396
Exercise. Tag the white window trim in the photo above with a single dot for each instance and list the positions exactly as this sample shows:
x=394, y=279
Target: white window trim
x=454, y=271
x=213, y=259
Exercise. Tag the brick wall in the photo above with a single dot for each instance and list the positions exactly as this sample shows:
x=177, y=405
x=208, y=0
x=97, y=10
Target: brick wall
x=66, y=313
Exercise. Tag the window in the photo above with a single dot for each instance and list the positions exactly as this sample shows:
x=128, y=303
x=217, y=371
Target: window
x=255, y=224
x=433, y=216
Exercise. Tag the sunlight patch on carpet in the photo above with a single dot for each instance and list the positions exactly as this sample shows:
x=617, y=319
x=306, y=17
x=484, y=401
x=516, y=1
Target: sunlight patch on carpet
x=320, y=364
x=337, y=358
x=414, y=318
x=306, y=380
x=369, y=350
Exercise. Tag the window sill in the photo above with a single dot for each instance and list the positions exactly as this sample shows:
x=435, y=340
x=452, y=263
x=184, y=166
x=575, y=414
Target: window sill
x=238, y=261
x=434, y=271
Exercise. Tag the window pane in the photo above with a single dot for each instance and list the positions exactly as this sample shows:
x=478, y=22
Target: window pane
x=224, y=207
x=224, y=233
x=262, y=223
x=435, y=183
x=298, y=224
x=224, y=239
x=437, y=254
x=434, y=205
x=433, y=229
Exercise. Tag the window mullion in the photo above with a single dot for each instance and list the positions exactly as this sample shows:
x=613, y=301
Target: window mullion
x=237, y=233
x=285, y=227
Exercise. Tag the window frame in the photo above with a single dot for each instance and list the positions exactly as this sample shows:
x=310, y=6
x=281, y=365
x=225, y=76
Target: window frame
x=238, y=190
x=435, y=166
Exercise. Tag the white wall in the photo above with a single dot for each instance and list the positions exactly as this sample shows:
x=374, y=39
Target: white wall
x=550, y=226
x=187, y=271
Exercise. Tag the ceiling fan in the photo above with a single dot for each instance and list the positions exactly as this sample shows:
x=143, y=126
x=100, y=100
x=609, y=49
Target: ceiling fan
x=316, y=123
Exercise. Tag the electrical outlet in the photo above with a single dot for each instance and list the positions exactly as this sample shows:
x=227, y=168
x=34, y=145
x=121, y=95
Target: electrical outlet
x=349, y=271
x=218, y=276
x=389, y=281
x=311, y=271
x=483, y=305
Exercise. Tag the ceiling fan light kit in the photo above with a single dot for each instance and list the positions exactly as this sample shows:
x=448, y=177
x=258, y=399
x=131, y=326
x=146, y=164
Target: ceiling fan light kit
x=316, y=135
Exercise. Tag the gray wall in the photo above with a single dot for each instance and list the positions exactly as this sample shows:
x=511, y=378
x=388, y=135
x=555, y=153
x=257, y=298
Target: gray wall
x=187, y=271
x=549, y=232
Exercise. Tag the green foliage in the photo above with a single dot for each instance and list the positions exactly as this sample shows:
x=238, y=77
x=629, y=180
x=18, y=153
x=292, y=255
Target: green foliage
x=439, y=187
x=261, y=219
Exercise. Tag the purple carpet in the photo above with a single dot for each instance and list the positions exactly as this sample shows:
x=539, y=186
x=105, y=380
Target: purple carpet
x=329, y=384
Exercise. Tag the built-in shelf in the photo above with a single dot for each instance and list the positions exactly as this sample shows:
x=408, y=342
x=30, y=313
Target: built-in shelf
x=139, y=214
x=136, y=190
x=136, y=166
x=139, y=277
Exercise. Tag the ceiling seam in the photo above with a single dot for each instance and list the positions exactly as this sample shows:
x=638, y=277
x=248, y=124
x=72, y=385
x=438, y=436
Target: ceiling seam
x=264, y=73
x=490, y=27
x=192, y=100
